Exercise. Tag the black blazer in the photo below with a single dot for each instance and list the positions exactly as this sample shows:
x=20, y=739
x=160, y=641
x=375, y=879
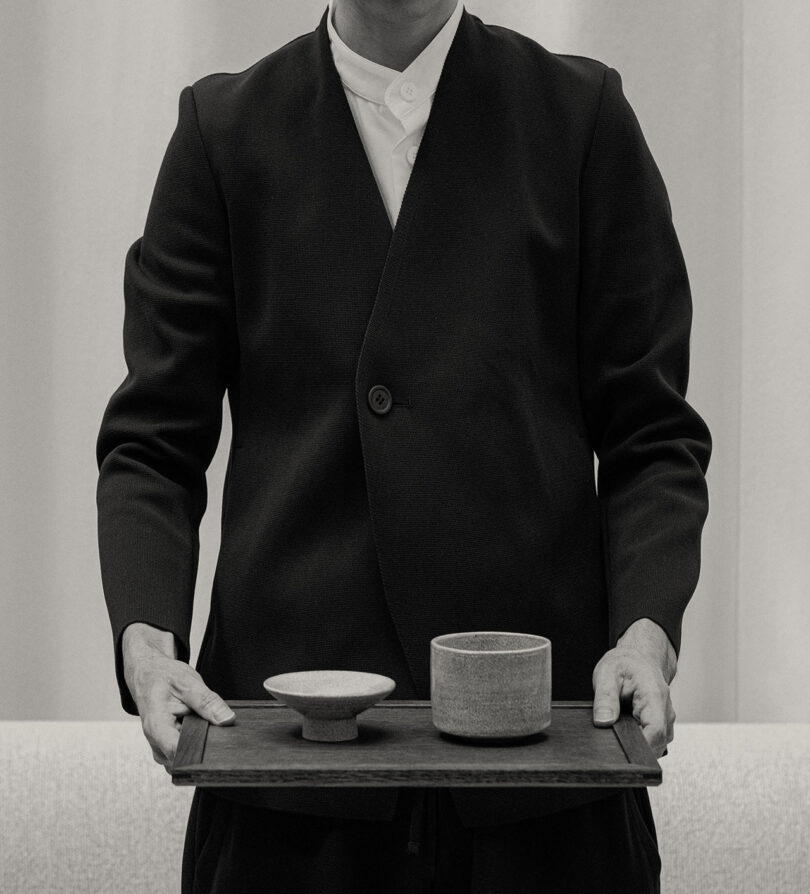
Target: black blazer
x=530, y=307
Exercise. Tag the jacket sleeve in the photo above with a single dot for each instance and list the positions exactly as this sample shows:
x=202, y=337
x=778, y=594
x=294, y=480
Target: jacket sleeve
x=161, y=426
x=635, y=316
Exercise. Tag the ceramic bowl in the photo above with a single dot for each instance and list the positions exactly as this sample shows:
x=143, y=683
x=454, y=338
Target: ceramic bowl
x=490, y=684
x=329, y=700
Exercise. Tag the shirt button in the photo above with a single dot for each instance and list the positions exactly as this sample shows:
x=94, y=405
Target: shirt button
x=411, y=154
x=408, y=91
x=379, y=399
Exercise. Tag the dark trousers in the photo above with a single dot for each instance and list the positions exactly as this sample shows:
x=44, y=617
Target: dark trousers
x=603, y=847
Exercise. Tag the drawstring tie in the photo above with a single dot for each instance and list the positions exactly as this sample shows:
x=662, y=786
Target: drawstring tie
x=422, y=830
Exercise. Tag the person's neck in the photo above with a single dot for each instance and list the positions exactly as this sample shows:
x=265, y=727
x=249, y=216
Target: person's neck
x=390, y=32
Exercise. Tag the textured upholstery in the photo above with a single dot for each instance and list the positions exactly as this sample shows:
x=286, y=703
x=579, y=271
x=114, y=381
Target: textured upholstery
x=733, y=812
x=86, y=809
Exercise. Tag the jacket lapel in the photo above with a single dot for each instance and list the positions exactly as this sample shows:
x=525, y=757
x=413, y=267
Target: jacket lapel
x=454, y=113
x=454, y=151
x=352, y=176
x=450, y=189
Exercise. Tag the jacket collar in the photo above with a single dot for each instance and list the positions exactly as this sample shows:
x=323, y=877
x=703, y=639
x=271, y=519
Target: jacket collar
x=383, y=85
x=457, y=124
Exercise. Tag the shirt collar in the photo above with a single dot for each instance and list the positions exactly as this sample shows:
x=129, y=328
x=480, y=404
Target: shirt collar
x=401, y=91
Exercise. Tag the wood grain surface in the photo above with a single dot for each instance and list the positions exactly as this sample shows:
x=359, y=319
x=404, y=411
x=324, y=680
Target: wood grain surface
x=399, y=746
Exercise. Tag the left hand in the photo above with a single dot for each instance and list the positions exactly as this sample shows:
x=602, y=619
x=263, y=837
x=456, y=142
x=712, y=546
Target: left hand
x=637, y=672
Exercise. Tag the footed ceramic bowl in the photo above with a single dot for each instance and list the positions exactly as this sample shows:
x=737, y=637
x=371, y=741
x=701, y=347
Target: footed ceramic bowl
x=329, y=700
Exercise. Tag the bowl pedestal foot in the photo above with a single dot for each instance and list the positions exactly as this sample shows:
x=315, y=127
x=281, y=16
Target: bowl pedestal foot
x=319, y=729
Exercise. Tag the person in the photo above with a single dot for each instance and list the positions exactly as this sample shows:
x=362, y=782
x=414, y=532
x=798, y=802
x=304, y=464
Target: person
x=433, y=266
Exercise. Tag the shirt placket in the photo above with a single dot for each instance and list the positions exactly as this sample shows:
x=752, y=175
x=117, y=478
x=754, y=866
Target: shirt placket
x=411, y=107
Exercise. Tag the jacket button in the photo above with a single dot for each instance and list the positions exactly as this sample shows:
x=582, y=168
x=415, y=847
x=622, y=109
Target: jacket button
x=379, y=399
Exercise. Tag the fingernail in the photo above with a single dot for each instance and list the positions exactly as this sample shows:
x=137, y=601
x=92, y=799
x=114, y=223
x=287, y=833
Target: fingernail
x=603, y=716
x=221, y=715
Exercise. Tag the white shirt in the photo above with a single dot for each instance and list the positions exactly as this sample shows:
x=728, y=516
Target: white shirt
x=391, y=108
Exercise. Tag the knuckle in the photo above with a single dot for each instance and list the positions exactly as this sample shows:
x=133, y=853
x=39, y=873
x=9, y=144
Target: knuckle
x=604, y=667
x=155, y=734
x=207, y=699
x=179, y=677
x=155, y=693
x=188, y=684
x=155, y=743
x=185, y=673
x=148, y=727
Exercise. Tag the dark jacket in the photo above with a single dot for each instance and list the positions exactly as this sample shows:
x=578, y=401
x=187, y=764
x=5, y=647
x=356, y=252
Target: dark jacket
x=531, y=308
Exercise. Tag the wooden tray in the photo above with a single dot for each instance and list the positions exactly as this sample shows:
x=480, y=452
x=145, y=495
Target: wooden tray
x=399, y=746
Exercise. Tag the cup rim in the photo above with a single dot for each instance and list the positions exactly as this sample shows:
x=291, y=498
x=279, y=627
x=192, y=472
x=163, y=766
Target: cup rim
x=542, y=642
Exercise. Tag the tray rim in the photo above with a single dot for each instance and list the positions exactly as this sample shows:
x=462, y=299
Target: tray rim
x=642, y=768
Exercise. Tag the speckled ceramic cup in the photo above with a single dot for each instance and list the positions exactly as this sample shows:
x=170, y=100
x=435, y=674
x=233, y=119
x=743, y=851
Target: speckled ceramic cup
x=490, y=684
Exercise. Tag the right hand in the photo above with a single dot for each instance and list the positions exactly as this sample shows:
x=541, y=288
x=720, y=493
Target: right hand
x=165, y=689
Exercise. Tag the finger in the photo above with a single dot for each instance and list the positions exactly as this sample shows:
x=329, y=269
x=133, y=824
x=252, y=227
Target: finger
x=651, y=716
x=162, y=760
x=162, y=733
x=655, y=739
x=158, y=756
x=194, y=693
x=606, y=704
x=670, y=720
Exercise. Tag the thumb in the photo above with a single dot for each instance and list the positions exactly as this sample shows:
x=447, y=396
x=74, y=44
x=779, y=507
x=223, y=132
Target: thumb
x=207, y=703
x=606, y=705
